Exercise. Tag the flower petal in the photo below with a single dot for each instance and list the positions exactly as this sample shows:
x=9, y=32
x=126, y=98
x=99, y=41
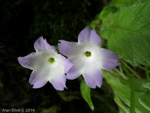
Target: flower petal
x=42, y=45
x=108, y=64
x=73, y=73
x=88, y=35
x=84, y=35
x=28, y=61
x=67, y=64
x=59, y=83
x=40, y=83
x=66, y=47
x=37, y=80
x=109, y=54
x=94, y=38
x=93, y=78
x=109, y=59
x=98, y=77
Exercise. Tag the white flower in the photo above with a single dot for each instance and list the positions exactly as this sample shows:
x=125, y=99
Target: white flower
x=47, y=65
x=88, y=58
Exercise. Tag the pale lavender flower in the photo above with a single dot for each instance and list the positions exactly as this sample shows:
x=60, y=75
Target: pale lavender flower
x=47, y=65
x=88, y=58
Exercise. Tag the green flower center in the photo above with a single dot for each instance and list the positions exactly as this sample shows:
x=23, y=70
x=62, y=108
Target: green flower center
x=51, y=60
x=88, y=54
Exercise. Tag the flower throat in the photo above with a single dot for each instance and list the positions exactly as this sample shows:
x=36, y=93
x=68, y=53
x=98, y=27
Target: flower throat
x=51, y=60
x=88, y=54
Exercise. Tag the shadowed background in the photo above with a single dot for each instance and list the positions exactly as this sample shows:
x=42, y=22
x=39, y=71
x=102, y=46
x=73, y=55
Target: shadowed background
x=21, y=23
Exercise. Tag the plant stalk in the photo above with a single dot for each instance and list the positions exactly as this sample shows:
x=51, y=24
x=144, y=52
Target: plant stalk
x=131, y=70
x=132, y=93
x=147, y=73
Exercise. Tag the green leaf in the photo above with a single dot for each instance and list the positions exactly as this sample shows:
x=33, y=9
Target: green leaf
x=86, y=94
x=147, y=85
x=123, y=92
x=106, y=11
x=119, y=3
x=122, y=108
x=95, y=23
x=138, y=87
x=56, y=47
x=128, y=33
x=144, y=100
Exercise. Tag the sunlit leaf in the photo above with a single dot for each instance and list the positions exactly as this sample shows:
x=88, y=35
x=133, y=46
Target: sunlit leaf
x=128, y=33
x=106, y=11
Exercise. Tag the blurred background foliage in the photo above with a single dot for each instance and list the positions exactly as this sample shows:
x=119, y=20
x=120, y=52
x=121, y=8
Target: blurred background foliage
x=21, y=23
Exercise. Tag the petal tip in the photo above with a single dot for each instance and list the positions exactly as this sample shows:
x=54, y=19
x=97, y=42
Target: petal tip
x=99, y=86
x=41, y=37
x=61, y=89
x=36, y=87
x=21, y=61
x=72, y=74
x=60, y=41
x=69, y=78
x=93, y=87
x=38, y=84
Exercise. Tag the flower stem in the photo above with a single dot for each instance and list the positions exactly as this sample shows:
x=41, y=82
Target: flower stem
x=132, y=104
x=143, y=68
x=132, y=94
x=131, y=70
x=121, y=73
x=147, y=73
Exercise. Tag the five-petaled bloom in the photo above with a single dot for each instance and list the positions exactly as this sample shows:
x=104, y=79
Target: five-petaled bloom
x=47, y=65
x=88, y=58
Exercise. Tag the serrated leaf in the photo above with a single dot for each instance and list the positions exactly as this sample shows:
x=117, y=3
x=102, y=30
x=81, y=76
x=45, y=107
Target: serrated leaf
x=86, y=94
x=128, y=33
